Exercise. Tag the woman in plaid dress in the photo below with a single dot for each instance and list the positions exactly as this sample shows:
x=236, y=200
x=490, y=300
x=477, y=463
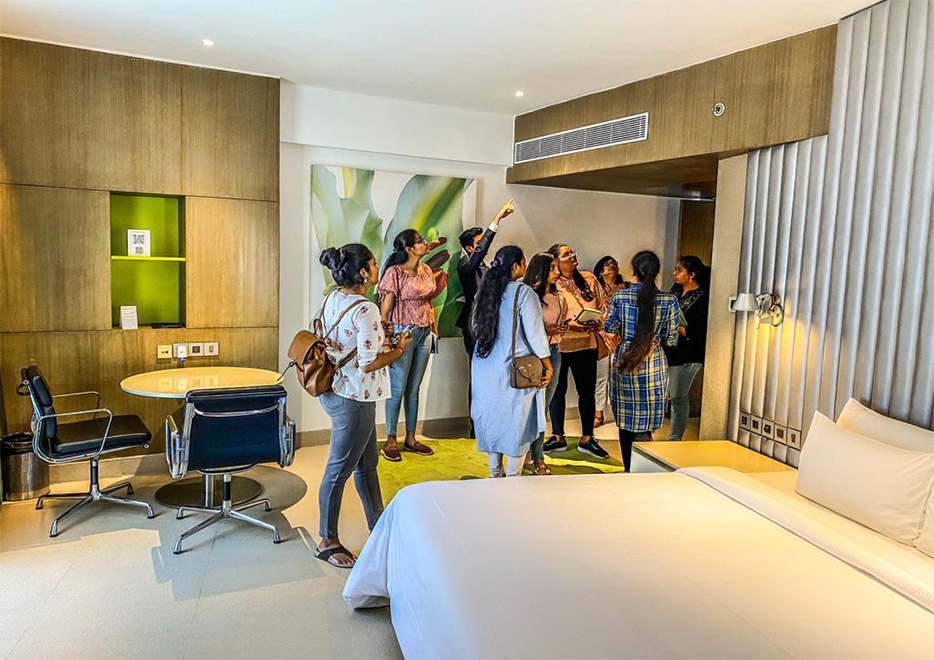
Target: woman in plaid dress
x=644, y=318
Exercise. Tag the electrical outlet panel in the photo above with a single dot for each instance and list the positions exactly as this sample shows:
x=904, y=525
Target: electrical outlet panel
x=211, y=349
x=164, y=352
x=195, y=349
x=180, y=351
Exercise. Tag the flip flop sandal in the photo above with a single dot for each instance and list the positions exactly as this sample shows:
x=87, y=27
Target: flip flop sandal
x=418, y=448
x=325, y=555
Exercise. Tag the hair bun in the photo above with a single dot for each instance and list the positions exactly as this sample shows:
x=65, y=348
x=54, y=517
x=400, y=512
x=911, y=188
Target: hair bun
x=331, y=257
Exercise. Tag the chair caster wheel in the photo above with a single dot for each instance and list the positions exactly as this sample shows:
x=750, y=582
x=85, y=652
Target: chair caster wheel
x=267, y=508
x=151, y=517
x=129, y=491
x=176, y=552
x=277, y=541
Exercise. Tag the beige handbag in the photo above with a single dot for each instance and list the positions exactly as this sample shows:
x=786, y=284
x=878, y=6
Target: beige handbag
x=526, y=372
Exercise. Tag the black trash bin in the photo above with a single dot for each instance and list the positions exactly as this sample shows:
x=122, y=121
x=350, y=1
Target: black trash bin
x=25, y=475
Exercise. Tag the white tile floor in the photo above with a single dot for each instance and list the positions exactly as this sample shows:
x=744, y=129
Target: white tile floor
x=109, y=585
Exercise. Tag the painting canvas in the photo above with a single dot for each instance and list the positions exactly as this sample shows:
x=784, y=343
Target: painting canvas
x=350, y=205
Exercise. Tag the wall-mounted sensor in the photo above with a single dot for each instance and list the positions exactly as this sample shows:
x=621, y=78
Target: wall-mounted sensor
x=718, y=109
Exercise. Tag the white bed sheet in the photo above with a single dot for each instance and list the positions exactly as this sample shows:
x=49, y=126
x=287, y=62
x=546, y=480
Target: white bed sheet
x=635, y=566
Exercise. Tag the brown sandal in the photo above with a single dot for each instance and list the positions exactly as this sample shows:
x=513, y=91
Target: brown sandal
x=418, y=448
x=541, y=469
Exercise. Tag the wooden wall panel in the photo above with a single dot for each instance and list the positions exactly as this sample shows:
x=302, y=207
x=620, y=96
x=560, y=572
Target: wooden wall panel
x=82, y=119
x=230, y=135
x=696, y=232
x=774, y=93
x=779, y=92
x=75, y=361
x=232, y=250
x=55, y=259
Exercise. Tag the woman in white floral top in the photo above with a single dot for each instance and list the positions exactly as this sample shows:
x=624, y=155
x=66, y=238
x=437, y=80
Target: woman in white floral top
x=352, y=329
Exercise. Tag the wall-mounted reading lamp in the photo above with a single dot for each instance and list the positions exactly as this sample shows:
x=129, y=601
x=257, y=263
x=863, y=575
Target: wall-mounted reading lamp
x=767, y=307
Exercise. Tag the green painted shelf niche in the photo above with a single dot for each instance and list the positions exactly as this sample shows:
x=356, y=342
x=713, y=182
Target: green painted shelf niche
x=155, y=284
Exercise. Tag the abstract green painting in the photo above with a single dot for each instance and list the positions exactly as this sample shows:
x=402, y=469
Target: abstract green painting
x=350, y=205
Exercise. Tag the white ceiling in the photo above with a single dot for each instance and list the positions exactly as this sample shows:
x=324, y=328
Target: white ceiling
x=462, y=53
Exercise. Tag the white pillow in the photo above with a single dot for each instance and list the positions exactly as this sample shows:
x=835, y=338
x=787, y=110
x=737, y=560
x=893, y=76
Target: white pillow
x=880, y=486
x=857, y=417
x=925, y=540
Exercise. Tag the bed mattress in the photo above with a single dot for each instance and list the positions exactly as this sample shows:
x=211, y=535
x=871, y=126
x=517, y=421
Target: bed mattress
x=701, y=563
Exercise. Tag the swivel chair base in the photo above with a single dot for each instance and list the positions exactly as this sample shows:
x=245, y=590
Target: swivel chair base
x=226, y=510
x=95, y=494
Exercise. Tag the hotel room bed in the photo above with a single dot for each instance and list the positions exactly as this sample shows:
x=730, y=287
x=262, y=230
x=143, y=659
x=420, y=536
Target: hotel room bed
x=701, y=563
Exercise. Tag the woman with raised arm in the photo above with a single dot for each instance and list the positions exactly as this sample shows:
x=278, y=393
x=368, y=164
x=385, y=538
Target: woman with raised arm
x=506, y=323
x=644, y=318
x=355, y=339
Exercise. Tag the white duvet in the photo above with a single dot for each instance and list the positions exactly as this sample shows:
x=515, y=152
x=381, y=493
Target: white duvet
x=702, y=563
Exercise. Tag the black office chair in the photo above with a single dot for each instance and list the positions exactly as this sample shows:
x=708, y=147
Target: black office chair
x=224, y=431
x=55, y=442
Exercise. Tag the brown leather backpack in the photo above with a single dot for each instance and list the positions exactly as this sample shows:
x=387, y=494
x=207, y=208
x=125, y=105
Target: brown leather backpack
x=313, y=368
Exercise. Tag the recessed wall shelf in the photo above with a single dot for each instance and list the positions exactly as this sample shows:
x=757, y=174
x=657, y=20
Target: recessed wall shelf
x=154, y=284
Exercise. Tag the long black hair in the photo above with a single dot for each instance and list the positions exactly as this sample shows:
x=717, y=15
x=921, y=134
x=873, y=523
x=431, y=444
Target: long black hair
x=404, y=239
x=696, y=267
x=536, y=274
x=484, y=320
x=645, y=265
x=346, y=262
x=576, y=275
x=598, y=270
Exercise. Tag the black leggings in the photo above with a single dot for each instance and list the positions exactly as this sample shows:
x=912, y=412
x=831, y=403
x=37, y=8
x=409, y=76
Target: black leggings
x=626, y=438
x=583, y=364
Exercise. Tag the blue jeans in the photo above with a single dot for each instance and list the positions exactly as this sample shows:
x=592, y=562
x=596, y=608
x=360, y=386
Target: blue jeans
x=405, y=377
x=537, y=449
x=680, y=379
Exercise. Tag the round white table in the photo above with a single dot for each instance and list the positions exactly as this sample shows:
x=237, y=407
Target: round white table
x=176, y=384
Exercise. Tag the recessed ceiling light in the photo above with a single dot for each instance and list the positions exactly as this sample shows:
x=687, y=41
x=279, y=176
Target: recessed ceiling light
x=519, y=93
x=207, y=42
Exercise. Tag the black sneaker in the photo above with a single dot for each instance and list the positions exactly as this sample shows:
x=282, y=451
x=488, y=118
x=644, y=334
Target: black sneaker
x=593, y=448
x=556, y=443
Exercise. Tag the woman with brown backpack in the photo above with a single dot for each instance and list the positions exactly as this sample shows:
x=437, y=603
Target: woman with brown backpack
x=356, y=344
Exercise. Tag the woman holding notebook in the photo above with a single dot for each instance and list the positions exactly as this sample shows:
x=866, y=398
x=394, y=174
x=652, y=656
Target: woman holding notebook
x=578, y=347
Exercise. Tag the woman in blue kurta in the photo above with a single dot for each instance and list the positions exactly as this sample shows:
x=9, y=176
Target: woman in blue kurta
x=644, y=318
x=506, y=420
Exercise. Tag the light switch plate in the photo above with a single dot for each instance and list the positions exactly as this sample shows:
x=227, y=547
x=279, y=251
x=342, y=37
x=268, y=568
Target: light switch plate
x=768, y=428
x=195, y=349
x=744, y=419
x=794, y=438
x=164, y=352
x=755, y=425
x=180, y=351
x=212, y=349
x=781, y=434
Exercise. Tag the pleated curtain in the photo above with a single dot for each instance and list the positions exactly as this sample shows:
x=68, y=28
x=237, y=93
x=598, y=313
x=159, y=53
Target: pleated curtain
x=840, y=227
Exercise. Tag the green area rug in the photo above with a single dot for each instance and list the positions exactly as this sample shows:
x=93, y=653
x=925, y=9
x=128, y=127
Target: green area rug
x=459, y=459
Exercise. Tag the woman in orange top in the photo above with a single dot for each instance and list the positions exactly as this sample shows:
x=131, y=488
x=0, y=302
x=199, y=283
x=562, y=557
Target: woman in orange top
x=578, y=349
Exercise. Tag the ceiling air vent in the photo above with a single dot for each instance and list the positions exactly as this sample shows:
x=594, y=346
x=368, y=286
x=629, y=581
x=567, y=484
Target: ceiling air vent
x=605, y=134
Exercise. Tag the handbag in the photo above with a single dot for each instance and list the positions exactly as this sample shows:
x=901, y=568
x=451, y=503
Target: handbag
x=525, y=372
x=313, y=367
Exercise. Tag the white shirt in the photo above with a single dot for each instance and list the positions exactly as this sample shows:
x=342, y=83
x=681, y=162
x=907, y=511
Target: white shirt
x=361, y=329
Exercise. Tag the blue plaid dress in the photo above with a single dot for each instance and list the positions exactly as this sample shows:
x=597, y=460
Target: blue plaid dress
x=638, y=399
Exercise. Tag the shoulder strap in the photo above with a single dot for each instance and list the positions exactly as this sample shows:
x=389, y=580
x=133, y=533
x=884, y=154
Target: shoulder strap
x=339, y=318
x=515, y=322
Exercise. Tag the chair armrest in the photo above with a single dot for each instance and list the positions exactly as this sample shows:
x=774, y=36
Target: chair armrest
x=89, y=392
x=93, y=411
x=176, y=450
